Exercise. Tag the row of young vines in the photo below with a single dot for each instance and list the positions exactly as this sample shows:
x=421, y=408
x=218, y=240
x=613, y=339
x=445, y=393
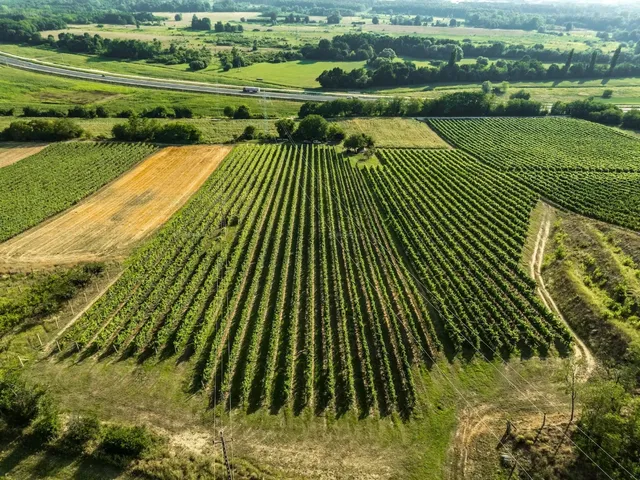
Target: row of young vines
x=293, y=280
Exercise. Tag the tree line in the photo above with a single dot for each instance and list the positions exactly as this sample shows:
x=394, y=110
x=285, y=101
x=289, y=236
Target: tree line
x=387, y=72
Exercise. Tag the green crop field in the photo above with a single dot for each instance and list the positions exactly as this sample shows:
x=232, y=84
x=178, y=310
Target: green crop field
x=283, y=283
x=589, y=168
x=48, y=182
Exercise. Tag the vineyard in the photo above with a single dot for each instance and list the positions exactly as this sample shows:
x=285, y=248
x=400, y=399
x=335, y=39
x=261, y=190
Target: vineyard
x=588, y=168
x=52, y=180
x=293, y=280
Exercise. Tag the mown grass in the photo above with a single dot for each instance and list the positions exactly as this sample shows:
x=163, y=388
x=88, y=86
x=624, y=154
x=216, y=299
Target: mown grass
x=395, y=132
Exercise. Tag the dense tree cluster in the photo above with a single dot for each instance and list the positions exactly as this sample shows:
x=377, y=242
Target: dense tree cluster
x=145, y=130
x=449, y=105
x=42, y=130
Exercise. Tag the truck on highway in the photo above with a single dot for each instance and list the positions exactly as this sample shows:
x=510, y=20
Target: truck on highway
x=251, y=89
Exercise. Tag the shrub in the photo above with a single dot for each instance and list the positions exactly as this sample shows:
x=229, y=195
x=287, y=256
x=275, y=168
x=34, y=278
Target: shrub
x=358, y=141
x=127, y=441
x=610, y=116
x=249, y=132
x=102, y=112
x=7, y=112
x=81, y=112
x=229, y=111
x=34, y=112
x=312, y=127
x=19, y=402
x=335, y=133
x=521, y=95
x=157, y=112
x=631, y=120
x=81, y=431
x=608, y=93
x=242, y=112
x=183, y=112
x=196, y=65
x=285, y=127
x=177, y=133
x=125, y=114
x=47, y=425
x=42, y=130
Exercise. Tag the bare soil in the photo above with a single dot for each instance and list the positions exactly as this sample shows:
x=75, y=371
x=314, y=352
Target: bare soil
x=13, y=152
x=108, y=224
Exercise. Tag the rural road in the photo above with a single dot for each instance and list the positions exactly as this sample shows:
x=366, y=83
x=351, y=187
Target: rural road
x=51, y=69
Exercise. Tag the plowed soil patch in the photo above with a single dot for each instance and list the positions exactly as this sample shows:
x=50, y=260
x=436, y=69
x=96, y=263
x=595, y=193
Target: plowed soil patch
x=11, y=153
x=110, y=222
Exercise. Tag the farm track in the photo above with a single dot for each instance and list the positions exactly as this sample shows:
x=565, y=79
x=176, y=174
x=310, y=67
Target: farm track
x=12, y=152
x=583, y=355
x=109, y=223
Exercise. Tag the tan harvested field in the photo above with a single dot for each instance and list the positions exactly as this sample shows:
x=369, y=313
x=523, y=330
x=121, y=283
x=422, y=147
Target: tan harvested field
x=109, y=223
x=12, y=152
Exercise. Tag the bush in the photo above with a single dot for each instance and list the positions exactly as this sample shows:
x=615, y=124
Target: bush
x=242, y=112
x=145, y=130
x=81, y=112
x=7, y=112
x=196, y=65
x=34, y=112
x=127, y=441
x=102, y=112
x=42, y=130
x=183, y=112
x=608, y=93
x=81, y=431
x=249, y=132
x=312, y=127
x=631, y=120
x=285, y=127
x=157, y=112
x=19, y=402
x=335, y=133
x=521, y=95
x=125, y=114
x=610, y=116
x=229, y=111
x=47, y=425
x=358, y=141
x=177, y=133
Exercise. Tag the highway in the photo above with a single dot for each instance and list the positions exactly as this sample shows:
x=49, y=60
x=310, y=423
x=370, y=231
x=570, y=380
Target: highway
x=170, y=84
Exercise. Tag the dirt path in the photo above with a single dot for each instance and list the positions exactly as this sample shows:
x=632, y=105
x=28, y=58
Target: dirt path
x=583, y=355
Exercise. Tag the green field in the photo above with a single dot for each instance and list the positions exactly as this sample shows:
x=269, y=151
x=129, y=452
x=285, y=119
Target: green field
x=589, y=168
x=21, y=88
x=48, y=182
x=394, y=132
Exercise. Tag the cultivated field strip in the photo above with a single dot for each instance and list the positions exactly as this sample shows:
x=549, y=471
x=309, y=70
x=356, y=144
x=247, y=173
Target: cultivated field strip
x=588, y=168
x=283, y=283
x=14, y=152
x=524, y=144
x=110, y=222
x=465, y=245
x=52, y=180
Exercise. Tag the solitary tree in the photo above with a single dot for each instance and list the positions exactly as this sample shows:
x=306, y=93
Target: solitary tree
x=358, y=141
x=614, y=59
x=285, y=127
x=312, y=127
x=229, y=111
x=242, y=112
x=178, y=17
x=376, y=21
x=486, y=87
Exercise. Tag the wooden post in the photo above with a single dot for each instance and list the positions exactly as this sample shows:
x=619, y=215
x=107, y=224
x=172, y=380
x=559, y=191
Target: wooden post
x=226, y=457
x=56, y=319
x=72, y=311
x=39, y=339
x=544, y=421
